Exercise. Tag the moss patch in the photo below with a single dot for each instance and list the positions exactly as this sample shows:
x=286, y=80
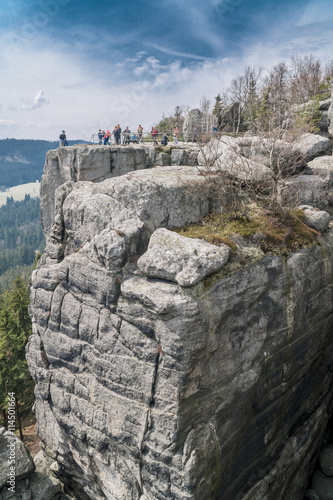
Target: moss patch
x=163, y=149
x=271, y=233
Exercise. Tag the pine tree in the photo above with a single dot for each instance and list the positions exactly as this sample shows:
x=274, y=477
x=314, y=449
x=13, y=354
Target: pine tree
x=218, y=110
x=15, y=329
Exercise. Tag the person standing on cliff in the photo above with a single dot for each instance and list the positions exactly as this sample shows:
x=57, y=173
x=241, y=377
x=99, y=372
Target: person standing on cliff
x=175, y=133
x=127, y=135
x=140, y=132
x=117, y=134
x=100, y=136
x=154, y=133
x=63, y=140
x=106, y=138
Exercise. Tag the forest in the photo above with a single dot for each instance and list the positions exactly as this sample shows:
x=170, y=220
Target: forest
x=260, y=98
x=21, y=241
x=21, y=236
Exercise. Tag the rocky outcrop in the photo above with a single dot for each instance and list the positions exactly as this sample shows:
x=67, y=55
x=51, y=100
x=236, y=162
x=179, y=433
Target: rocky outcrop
x=225, y=155
x=199, y=122
x=97, y=163
x=311, y=146
x=324, y=121
x=14, y=456
x=84, y=163
x=330, y=118
x=22, y=478
x=153, y=386
x=315, y=187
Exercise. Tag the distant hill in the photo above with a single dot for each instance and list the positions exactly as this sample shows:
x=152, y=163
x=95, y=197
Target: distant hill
x=22, y=161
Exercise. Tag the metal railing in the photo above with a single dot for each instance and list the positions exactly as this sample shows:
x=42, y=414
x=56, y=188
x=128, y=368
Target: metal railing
x=146, y=138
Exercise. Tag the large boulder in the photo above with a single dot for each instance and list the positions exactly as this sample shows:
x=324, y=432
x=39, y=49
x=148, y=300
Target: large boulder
x=217, y=150
x=322, y=485
x=271, y=152
x=185, y=156
x=183, y=260
x=225, y=155
x=312, y=145
x=326, y=460
x=12, y=449
x=315, y=186
x=319, y=220
x=321, y=166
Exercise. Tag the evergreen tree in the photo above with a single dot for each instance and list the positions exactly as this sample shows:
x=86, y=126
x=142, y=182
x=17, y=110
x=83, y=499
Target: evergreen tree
x=15, y=329
x=218, y=110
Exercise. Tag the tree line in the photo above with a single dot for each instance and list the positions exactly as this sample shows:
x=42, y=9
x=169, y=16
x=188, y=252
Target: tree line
x=21, y=236
x=259, y=94
x=15, y=329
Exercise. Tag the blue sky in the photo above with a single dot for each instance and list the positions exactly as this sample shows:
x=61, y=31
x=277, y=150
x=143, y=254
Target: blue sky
x=79, y=65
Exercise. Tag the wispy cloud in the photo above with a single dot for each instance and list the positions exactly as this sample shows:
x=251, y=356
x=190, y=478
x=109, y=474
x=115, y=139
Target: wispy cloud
x=171, y=52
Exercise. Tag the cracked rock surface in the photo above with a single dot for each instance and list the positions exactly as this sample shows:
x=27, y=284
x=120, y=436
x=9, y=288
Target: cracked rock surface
x=150, y=390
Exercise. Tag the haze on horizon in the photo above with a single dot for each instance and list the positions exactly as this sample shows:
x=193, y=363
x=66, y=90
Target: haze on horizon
x=78, y=66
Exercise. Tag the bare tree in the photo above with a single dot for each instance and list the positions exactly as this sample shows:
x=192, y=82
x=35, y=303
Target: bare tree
x=254, y=167
x=245, y=91
x=275, y=93
x=205, y=104
x=306, y=76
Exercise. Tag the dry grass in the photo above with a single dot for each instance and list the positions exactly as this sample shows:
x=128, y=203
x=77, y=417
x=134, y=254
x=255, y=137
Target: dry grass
x=271, y=232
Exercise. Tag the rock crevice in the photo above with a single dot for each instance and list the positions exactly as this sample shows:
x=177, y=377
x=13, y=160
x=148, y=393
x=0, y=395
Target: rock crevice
x=163, y=386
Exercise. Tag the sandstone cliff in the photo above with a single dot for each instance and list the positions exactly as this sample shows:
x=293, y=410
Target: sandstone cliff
x=150, y=386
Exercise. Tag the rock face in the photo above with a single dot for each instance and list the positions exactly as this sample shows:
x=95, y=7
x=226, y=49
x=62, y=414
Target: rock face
x=325, y=121
x=330, y=118
x=315, y=186
x=149, y=389
x=202, y=122
x=97, y=163
x=84, y=163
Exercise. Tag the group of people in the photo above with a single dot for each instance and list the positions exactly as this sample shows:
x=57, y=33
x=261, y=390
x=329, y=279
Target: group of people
x=104, y=137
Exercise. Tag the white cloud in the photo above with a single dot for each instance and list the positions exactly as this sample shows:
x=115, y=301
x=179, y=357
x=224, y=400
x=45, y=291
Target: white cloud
x=83, y=95
x=37, y=102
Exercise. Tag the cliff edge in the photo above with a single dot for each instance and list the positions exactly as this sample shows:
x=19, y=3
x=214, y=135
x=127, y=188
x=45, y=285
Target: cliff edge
x=151, y=385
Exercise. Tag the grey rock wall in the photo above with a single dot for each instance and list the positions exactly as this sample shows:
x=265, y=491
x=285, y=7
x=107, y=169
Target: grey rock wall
x=329, y=118
x=202, y=122
x=85, y=163
x=147, y=390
